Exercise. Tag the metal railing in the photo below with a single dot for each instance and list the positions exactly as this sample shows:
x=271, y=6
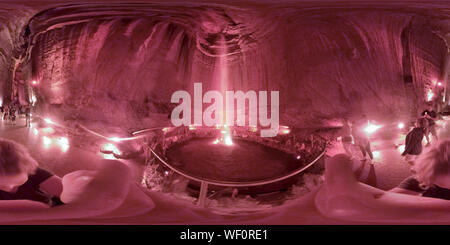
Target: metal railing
x=205, y=182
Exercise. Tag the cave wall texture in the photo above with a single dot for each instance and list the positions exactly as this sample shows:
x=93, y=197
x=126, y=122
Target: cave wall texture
x=119, y=63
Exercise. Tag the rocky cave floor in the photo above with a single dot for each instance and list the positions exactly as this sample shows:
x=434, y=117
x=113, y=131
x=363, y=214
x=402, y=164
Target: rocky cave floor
x=388, y=170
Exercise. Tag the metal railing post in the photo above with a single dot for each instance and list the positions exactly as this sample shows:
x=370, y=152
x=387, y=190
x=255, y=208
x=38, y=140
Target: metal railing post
x=203, y=192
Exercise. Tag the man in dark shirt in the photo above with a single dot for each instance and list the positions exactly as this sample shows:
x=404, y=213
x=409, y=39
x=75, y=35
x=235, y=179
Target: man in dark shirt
x=431, y=116
x=412, y=186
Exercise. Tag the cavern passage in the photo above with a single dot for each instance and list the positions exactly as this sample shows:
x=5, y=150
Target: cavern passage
x=120, y=63
x=102, y=76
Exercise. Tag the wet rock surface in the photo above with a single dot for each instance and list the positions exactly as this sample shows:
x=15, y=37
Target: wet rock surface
x=119, y=63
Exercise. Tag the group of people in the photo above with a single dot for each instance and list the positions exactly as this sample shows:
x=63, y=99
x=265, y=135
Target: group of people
x=431, y=176
x=9, y=113
x=431, y=169
x=424, y=126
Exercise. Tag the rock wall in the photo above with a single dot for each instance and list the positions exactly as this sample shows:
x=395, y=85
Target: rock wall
x=121, y=63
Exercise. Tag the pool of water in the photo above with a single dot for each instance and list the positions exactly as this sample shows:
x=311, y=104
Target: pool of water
x=242, y=161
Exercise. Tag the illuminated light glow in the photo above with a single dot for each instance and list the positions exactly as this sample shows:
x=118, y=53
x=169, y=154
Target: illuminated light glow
x=225, y=138
x=254, y=129
x=285, y=131
x=371, y=128
x=228, y=140
x=1, y=102
x=35, y=131
x=111, y=147
x=109, y=156
x=63, y=140
x=430, y=95
x=191, y=127
x=165, y=129
x=440, y=122
x=439, y=84
x=33, y=99
x=63, y=143
x=376, y=154
x=48, y=130
x=46, y=140
x=34, y=82
x=64, y=148
x=401, y=125
x=298, y=157
x=48, y=120
x=401, y=148
x=115, y=139
x=434, y=82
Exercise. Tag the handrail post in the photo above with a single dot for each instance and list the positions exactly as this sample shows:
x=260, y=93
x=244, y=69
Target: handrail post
x=203, y=192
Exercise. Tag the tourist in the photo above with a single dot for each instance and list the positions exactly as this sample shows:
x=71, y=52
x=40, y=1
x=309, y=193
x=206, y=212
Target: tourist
x=346, y=137
x=413, y=141
x=27, y=116
x=431, y=116
x=12, y=114
x=22, y=179
x=360, y=137
x=432, y=174
x=6, y=114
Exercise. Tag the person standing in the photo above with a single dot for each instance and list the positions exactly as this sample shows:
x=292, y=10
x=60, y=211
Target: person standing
x=12, y=114
x=413, y=141
x=346, y=137
x=27, y=116
x=432, y=174
x=431, y=117
x=6, y=114
x=361, y=139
